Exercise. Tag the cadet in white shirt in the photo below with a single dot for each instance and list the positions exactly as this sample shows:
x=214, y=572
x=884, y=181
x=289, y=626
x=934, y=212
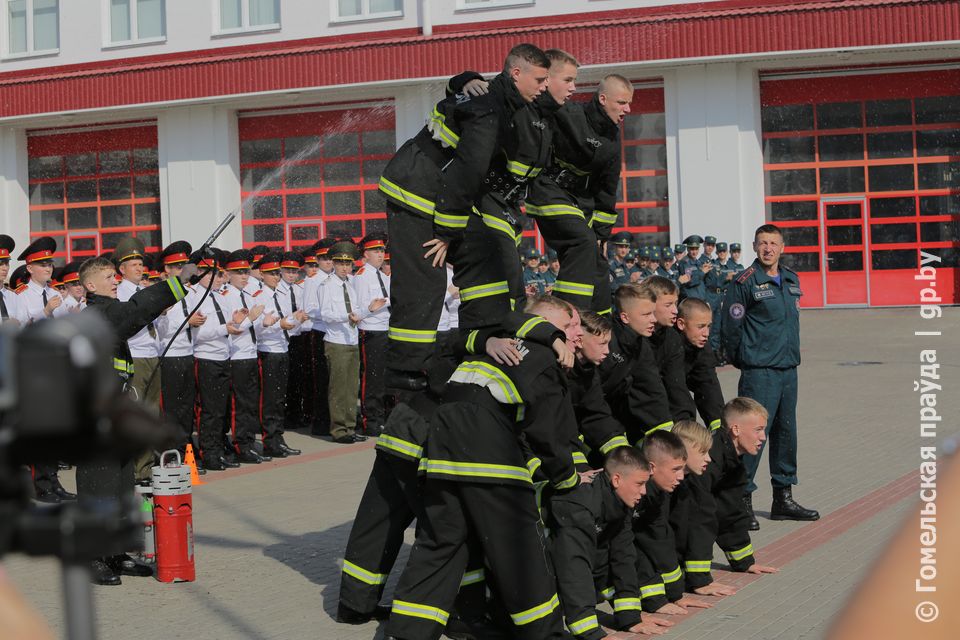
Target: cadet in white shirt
x=10, y=308
x=312, y=288
x=39, y=299
x=299, y=378
x=372, y=284
x=254, y=284
x=73, y=293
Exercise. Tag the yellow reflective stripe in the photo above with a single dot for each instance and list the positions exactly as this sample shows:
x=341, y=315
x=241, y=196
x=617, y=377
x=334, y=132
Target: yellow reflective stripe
x=361, y=574
x=397, y=192
x=522, y=170
x=573, y=288
x=579, y=458
x=446, y=133
x=653, y=590
x=422, y=467
x=671, y=576
x=663, y=425
x=497, y=224
x=399, y=445
x=697, y=566
x=122, y=365
x=472, y=577
x=550, y=210
x=715, y=424
x=604, y=217
x=527, y=326
x=740, y=554
x=583, y=625
x=478, y=470
x=607, y=593
x=484, y=290
x=626, y=604
x=569, y=483
x=420, y=611
x=471, y=341
x=605, y=312
x=571, y=167
x=613, y=443
x=533, y=464
x=537, y=612
x=490, y=372
x=176, y=288
x=411, y=335
x=451, y=220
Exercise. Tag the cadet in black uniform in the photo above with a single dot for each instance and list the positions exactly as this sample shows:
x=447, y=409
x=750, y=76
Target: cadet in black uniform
x=761, y=337
x=668, y=347
x=700, y=363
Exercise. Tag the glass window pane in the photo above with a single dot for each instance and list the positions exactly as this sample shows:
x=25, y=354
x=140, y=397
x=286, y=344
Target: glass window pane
x=802, y=261
x=833, y=148
x=151, y=240
x=837, y=236
x=791, y=117
x=263, y=207
x=781, y=150
x=939, y=175
x=372, y=170
x=117, y=216
x=264, y=12
x=783, y=211
x=263, y=233
x=892, y=207
x=114, y=161
x=260, y=150
x=146, y=186
x=647, y=189
x=890, y=145
x=374, y=201
x=147, y=214
x=944, y=142
x=145, y=159
x=45, y=27
x=898, y=177
x=344, y=228
x=896, y=259
x=83, y=164
x=46, y=220
x=342, y=203
x=648, y=217
x=341, y=144
x=845, y=261
x=45, y=167
x=839, y=115
x=46, y=193
x=302, y=176
x=337, y=174
x=940, y=231
x=230, y=14
x=801, y=236
x=383, y=6
x=379, y=142
x=308, y=232
x=939, y=205
x=850, y=211
x=260, y=179
x=84, y=218
x=646, y=156
x=791, y=182
x=301, y=148
x=885, y=113
x=115, y=189
x=151, y=19
x=939, y=109
x=82, y=191
x=949, y=257
x=349, y=8
x=891, y=233
x=119, y=20
x=304, y=205
x=377, y=225
x=644, y=126
x=83, y=245
x=841, y=180
x=17, y=26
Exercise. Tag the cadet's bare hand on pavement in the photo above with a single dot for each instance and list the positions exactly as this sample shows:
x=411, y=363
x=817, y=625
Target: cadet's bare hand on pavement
x=715, y=589
x=759, y=568
x=670, y=609
x=438, y=249
x=693, y=603
x=651, y=626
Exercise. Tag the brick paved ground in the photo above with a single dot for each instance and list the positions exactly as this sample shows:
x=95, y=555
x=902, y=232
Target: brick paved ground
x=270, y=538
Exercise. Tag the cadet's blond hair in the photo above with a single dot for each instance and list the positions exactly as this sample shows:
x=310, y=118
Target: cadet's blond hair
x=559, y=56
x=660, y=286
x=614, y=78
x=633, y=291
x=94, y=265
x=740, y=407
x=691, y=306
x=694, y=433
x=527, y=52
x=622, y=459
x=595, y=324
x=542, y=300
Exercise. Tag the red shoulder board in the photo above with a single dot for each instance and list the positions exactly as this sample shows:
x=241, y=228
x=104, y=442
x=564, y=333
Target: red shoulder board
x=20, y=289
x=258, y=293
x=360, y=270
x=746, y=274
x=224, y=292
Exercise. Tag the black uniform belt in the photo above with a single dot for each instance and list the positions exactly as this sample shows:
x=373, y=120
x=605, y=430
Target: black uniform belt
x=566, y=179
x=475, y=394
x=511, y=190
x=433, y=149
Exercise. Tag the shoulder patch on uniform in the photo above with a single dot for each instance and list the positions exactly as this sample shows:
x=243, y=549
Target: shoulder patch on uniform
x=746, y=274
x=737, y=310
x=360, y=270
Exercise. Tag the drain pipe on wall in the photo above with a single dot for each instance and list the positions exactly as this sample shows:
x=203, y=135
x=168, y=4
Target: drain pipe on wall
x=425, y=18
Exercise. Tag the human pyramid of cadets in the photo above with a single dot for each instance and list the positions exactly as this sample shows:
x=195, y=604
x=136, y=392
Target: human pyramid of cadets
x=548, y=448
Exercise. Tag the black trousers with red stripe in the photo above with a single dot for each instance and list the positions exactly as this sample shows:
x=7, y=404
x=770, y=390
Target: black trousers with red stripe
x=274, y=370
x=299, y=382
x=320, y=415
x=373, y=392
x=245, y=382
x=178, y=389
x=213, y=380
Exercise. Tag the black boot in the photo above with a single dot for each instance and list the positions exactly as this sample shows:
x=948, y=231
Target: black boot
x=102, y=573
x=786, y=508
x=748, y=502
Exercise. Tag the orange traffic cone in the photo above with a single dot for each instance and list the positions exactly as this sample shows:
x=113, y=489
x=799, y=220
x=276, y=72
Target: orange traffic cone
x=190, y=461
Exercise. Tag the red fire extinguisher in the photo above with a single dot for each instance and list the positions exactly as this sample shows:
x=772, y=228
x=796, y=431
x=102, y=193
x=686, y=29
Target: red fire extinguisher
x=173, y=519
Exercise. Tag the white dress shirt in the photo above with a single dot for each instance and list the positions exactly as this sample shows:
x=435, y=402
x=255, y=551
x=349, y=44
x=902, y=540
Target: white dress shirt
x=142, y=345
x=450, y=313
x=371, y=284
x=31, y=300
x=333, y=310
x=169, y=322
x=243, y=346
x=274, y=339
x=69, y=304
x=312, y=291
x=210, y=340
x=253, y=285
x=15, y=307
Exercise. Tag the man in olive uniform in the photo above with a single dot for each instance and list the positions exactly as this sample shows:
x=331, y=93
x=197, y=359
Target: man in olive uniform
x=761, y=337
x=692, y=270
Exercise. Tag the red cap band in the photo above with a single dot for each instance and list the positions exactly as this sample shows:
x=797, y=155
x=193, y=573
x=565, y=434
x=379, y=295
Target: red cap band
x=4, y=253
x=39, y=255
x=290, y=264
x=206, y=263
x=238, y=264
x=373, y=244
x=269, y=266
x=175, y=258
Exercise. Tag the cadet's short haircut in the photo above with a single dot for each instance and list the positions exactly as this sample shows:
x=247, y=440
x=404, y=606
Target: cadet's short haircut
x=633, y=291
x=528, y=53
x=740, y=407
x=559, y=56
x=690, y=306
x=663, y=444
x=767, y=228
x=94, y=265
x=595, y=324
x=542, y=300
x=625, y=459
x=611, y=79
x=660, y=286
x=693, y=432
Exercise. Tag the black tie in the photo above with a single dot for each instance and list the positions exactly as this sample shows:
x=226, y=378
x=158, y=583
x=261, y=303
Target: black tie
x=243, y=303
x=186, y=312
x=3, y=308
x=152, y=330
x=43, y=294
x=383, y=289
x=293, y=300
x=219, y=311
x=276, y=302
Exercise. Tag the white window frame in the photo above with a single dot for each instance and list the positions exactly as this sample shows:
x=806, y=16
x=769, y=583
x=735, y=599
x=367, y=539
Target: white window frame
x=134, y=40
x=493, y=4
x=5, y=34
x=365, y=14
x=244, y=27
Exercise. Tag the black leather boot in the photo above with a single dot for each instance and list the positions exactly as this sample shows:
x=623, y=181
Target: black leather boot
x=786, y=508
x=748, y=502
